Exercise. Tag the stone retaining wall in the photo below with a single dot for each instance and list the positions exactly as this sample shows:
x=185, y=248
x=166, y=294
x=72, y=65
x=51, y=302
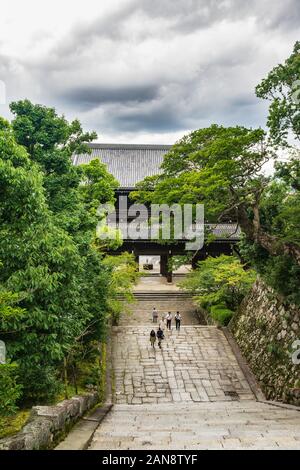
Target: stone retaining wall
x=265, y=329
x=48, y=424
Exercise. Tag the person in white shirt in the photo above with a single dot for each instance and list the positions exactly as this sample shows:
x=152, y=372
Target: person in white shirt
x=178, y=320
x=154, y=315
x=169, y=320
x=162, y=323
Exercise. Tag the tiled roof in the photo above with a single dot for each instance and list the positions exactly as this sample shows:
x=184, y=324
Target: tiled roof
x=128, y=163
x=221, y=231
x=224, y=231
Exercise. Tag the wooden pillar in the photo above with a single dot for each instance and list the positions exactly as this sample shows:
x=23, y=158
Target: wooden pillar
x=164, y=268
x=169, y=276
x=137, y=260
x=198, y=257
x=194, y=262
x=163, y=265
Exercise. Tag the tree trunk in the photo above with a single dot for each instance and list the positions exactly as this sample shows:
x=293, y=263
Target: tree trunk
x=275, y=247
x=74, y=373
x=66, y=378
x=271, y=243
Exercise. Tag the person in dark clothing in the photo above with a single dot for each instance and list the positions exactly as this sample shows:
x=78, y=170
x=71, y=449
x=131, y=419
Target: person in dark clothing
x=160, y=336
x=178, y=320
x=152, y=338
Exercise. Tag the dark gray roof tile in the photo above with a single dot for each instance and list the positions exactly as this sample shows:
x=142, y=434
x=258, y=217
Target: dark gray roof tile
x=127, y=162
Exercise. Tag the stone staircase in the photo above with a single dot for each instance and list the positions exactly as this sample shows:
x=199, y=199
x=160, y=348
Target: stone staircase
x=191, y=394
x=140, y=312
x=161, y=296
x=218, y=425
x=195, y=364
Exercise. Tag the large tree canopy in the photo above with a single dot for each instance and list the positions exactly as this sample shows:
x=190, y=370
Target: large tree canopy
x=41, y=263
x=49, y=259
x=221, y=168
x=282, y=88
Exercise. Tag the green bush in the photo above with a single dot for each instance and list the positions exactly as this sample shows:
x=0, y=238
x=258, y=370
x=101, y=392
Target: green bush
x=220, y=280
x=10, y=390
x=221, y=314
x=40, y=383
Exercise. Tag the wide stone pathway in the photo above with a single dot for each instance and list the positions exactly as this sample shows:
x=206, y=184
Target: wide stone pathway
x=210, y=425
x=195, y=364
x=192, y=394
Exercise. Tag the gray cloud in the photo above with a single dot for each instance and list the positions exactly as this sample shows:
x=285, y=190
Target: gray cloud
x=160, y=67
x=159, y=120
x=90, y=97
x=192, y=15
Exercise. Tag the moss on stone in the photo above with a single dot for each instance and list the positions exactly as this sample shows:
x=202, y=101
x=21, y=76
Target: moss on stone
x=10, y=425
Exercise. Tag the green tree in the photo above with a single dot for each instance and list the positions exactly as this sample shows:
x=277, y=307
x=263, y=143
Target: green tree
x=221, y=168
x=280, y=215
x=48, y=244
x=10, y=389
x=124, y=274
x=73, y=193
x=41, y=263
x=97, y=184
x=282, y=88
x=220, y=280
x=51, y=142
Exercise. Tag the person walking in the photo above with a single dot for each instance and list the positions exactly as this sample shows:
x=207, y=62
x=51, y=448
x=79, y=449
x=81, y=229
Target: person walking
x=162, y=323
x=153, y=338
x=160, y=336
x=154, y=315
x=169, y=320
x=178, y=320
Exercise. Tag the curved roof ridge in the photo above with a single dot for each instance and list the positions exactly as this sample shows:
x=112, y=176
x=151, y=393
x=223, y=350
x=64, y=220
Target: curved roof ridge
x=96, y=145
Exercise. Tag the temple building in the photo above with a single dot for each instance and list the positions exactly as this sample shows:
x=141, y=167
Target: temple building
x=130, y=164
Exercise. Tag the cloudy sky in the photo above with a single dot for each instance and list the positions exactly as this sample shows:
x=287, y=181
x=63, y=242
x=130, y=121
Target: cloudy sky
x=145, y=71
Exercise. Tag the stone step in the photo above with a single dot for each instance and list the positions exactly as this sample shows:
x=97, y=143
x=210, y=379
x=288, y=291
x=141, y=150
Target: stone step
x=191, y=393
x=162, y=306
x=168, y=296
x=140, y=311
x=236, y=425
x=162, y=295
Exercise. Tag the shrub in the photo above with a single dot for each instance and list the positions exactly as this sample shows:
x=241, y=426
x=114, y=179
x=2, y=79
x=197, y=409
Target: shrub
x=221, y=314
x=40, y=383
x=222, y=279
x=10, y=390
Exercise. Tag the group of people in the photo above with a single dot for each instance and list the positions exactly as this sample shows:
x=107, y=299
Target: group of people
x=166, y=321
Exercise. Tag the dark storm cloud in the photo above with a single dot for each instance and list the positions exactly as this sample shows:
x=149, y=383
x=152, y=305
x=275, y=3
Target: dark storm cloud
x=90, y=97
x=160, y=120
x=243, y=101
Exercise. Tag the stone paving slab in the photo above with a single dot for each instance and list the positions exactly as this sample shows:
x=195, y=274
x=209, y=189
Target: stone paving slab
x=195, y=364
x=226, y=425
x=180, y=397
